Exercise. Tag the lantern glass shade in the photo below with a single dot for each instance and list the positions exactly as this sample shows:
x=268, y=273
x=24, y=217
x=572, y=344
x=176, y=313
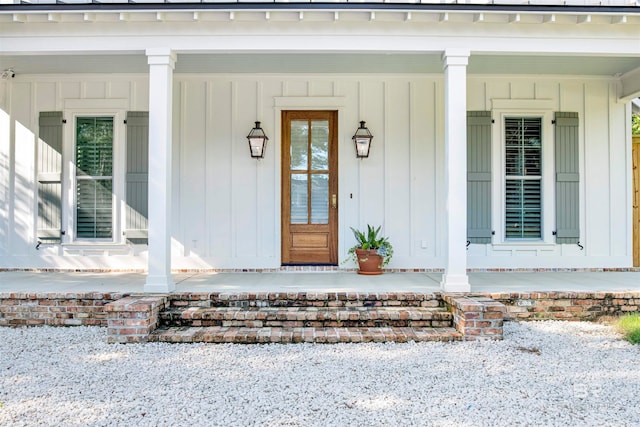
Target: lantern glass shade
x=257, y=142
x=362, y=140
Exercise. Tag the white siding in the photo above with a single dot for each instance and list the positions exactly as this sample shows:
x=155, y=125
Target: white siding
x=241, y=204
x=21, y=101
x=604, y=165
x=226, y=209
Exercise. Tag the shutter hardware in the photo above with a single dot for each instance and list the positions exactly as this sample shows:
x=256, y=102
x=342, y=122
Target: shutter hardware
x=555, y=233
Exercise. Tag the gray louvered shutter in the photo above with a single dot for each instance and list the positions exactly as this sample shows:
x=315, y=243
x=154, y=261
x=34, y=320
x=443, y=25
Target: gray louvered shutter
x=479, y=176
x=50, y=177
x=567, y=178
x=136, y=229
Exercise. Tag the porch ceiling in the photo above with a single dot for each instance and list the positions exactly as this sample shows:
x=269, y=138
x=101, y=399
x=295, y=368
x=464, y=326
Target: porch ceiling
x=319, y=63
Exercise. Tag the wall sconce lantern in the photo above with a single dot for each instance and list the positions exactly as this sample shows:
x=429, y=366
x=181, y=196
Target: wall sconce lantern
x=257, y=142
x=362, y=139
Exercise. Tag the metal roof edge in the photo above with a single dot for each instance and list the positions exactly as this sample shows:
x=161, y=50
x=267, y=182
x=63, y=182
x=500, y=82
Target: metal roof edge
x=401, y=7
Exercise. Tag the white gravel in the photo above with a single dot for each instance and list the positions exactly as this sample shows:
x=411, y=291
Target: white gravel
x=543, y=373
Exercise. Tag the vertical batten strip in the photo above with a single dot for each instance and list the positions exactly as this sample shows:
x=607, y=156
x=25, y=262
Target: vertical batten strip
x=182, y=149
x=438, y=172
x=232, y=199
x=209, y=188
x=385, y=157
x=412, y=227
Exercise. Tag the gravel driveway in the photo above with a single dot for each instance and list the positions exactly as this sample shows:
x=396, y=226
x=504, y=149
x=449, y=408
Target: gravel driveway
x=543, y=373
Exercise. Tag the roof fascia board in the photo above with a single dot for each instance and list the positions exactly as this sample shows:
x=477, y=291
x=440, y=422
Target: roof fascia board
x=470, y=8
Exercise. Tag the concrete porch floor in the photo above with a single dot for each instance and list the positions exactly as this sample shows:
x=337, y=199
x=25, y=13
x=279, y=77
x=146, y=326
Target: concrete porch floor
x=20, y=281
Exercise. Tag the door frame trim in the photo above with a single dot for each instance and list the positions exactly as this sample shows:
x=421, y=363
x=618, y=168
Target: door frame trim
x=312, y=103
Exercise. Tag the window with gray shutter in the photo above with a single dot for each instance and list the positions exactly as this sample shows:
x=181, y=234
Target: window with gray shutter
x=567, y=177
x=479, y=176
x=50, y=177
x=136, y=228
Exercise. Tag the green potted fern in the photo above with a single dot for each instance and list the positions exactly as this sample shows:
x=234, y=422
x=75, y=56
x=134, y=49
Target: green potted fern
x=372, y=251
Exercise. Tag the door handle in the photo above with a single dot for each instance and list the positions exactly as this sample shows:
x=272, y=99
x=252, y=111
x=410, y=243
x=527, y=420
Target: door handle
x=334, y=201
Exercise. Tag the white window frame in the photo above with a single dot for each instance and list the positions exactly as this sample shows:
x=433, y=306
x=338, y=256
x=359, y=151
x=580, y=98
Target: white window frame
x=547, y=190
x=69, y=180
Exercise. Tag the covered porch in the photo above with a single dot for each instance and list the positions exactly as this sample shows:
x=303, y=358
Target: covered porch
x=322, y=282
x=413, y=74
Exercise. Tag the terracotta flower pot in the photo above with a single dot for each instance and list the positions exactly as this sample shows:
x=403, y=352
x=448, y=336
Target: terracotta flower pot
x=369, y=261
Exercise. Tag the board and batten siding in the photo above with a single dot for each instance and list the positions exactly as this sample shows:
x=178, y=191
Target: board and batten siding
x=603, y=164
x=21, y=103
x=226, y=205
x=232, y=218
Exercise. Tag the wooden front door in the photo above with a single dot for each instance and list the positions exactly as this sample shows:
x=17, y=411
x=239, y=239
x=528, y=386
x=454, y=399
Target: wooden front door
x=309, y=187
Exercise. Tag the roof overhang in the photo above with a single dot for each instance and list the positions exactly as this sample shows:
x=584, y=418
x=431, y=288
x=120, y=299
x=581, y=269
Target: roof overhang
x=276, y=37
x=424, y=11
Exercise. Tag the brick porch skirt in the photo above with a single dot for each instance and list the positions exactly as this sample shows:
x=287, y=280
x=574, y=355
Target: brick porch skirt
x=134, y=318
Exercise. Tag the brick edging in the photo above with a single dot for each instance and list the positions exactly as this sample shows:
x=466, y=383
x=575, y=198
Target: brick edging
x=55, y=308
x=566, y=305
x=133, y=318
x=137, y=314
x=476, y=317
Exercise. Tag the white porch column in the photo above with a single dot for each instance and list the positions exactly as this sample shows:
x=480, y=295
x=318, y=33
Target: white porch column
x=161, y=64
x=455, y=62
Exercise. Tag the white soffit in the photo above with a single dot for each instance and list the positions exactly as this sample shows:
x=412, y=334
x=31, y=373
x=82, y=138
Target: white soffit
x=321, y=63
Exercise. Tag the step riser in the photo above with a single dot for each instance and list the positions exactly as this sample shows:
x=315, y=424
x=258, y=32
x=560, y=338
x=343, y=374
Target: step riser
x=315, y=324
x=307, y=317
x=280, y=300
x=304, y=335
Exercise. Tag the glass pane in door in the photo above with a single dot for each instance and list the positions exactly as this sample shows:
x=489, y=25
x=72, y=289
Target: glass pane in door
x=320, y=198
x=319, y=145
x=299, y=145
x=299, y=199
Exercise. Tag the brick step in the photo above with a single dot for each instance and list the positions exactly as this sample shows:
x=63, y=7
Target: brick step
x=316, y=317
x=306, y=299
x=221, y=334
